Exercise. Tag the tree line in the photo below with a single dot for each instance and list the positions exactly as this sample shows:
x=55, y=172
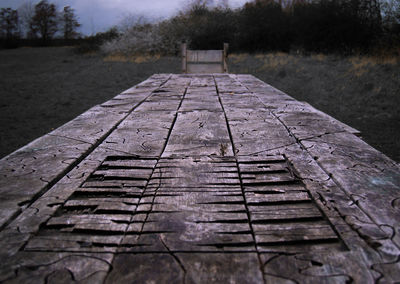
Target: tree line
x=333, y=26
x=39, y=23
x=330, y=26
x=344, y=26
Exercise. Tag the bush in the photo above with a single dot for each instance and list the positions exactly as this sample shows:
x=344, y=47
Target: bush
x=263, y=26
x=139, y=39
x=93, y=43
x=206, y=28
x=333, y=26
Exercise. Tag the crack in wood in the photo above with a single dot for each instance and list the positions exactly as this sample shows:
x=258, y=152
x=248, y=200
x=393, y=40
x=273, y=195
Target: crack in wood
x=230, y=190
x=77, y=161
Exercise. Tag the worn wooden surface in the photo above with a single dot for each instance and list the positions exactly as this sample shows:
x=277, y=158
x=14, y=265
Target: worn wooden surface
x=204, y=61
x=196, y=179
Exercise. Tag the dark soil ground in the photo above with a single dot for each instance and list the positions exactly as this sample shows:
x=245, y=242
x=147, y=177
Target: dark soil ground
x=43, y=88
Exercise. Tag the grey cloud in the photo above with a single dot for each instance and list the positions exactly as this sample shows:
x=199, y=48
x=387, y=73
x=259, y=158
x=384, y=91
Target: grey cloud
x=99, y=15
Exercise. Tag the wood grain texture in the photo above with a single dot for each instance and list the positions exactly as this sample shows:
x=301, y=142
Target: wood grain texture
x=200, y=178
x=204, y=61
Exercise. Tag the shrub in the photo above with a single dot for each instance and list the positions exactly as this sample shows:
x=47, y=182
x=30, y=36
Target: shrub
x=333, y=26
x=139, y=39
x=93, y=43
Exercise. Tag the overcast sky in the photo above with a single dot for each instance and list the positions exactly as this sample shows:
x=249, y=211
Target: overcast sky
x=99, y=15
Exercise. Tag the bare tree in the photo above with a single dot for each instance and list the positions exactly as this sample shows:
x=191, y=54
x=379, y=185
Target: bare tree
x=194, y=4
x=44, y=21
x=8, y=23
x=391, y=13
x=131, y=20
x=26, y=12
x=70, y=23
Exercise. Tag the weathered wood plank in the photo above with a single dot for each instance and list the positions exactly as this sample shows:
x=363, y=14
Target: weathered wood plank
x=221, y=268
x=201, y=98
x=28, y=172
x=57, y=268
x=364, y=174
x=317, y=268
x=204, y=68
x=142, y=133
x=203, y=61
x=28, y=222
x=150, y=268
x=196, y=178
x=204, y=56
x=199, y=133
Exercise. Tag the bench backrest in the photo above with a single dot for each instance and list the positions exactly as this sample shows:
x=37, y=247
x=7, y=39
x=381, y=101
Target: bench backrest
x=204, y=61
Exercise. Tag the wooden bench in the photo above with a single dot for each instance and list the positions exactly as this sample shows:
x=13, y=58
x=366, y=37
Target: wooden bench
x=200, y=179
x=204, y=61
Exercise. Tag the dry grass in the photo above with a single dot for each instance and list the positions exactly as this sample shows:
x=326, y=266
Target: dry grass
x=319, y=57
x=58, y=85
x=362, y=91
x=131, y=58
x=238, y=57
x=363, y=64
x=275, y=60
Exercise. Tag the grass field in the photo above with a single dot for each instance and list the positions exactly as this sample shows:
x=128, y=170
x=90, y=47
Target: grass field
x=363, y=92
x=42, y=88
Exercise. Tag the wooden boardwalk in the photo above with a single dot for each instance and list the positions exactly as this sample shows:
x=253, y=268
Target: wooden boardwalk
x=196, y=179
